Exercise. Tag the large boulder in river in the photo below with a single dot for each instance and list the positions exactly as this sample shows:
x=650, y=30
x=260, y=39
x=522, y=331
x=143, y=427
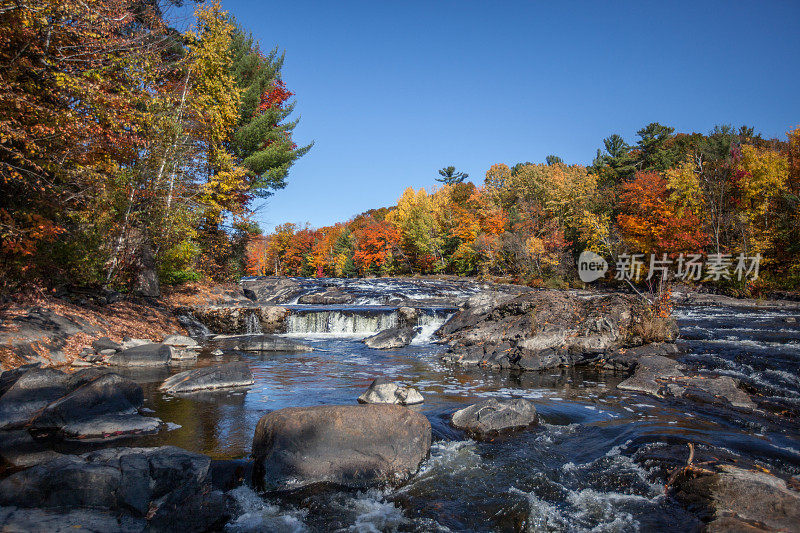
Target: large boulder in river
x=259, y=343
x=350, y=445
x=550, y=328
x=144, y=355
x=104, y=406
x=391, y=338
x=735, y=499
x=166, y=489
x=495, y=415
x=381, y=391
x=209, y=378
x=28, y=391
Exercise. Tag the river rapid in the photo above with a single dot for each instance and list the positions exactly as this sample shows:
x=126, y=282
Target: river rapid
x=598, y=460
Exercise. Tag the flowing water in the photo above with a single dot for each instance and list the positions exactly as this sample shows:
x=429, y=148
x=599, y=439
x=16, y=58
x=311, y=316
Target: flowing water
x=598, y=461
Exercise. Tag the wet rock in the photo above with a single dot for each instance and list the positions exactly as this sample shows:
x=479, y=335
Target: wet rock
x=665, y=377
x=547, y=329
x=407, y=316
x=391, y=338
x=627, y=358
x=381, y=391
x=19, y=449
x=180, y=341
x=651, y=371
x=31, y=391
x=102, y=407
x=495, y=415
x=168, y=487
x=234, y=319
x=181, y=354
x=735, y=499
x=332, y=296
x=275, y=289
x=210, y=377
x=259, y=343
x=104, y=343
x=15, y=519
x=350, y=445
x=144, y=355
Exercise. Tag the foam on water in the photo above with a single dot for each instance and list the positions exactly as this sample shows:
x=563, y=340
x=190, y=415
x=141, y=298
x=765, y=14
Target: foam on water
x=258, y=515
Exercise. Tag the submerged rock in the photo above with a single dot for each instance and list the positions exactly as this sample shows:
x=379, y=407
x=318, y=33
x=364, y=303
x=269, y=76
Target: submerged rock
x=167, y=487
x=665, y=377
x=259, y=343
x=381, y=391
x=495, y=415
x=735, y=499
x=391, y=338
x=350, y=445
x=547, y=329
x=210, y=377
x=144, y=355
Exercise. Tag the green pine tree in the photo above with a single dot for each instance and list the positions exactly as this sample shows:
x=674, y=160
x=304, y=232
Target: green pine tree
x=449, y=176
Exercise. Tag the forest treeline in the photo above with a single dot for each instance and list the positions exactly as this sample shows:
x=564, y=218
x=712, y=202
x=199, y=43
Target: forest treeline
x=131, y=153
x=726, y=192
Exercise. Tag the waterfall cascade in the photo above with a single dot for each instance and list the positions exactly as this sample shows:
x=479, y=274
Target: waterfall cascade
x=341, y=322
x=252, y=324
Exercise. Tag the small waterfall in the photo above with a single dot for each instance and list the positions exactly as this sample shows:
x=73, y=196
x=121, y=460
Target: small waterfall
x=428, y=322
x=252, y=324
x=341, y=322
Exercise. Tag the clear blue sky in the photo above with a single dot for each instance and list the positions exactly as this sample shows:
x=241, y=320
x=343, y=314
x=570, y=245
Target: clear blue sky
x=392, y=91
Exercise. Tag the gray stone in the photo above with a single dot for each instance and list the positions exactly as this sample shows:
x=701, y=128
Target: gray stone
x=16, y=520
x=144, y=355
x=33, y=390
x=381, y=391
x=351, y=445
x=180, y=341
x=128, y=342
x=210, y=377
x=104, y=343
x=494, y=415
x=391, y=338
x=651, y=371
x=259, y=343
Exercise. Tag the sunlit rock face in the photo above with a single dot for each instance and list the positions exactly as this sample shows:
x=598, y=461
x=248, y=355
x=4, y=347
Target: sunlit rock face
x=547, y=329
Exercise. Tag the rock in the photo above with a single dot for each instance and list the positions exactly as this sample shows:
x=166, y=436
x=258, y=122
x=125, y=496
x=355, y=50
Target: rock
x=234, y=319
x=650, y=371
x=94, y=358
x=545, y=329
x=104, y=343
x=180, y=354
x=30, y=392
x=217, y=352
x=627, y=358
x=407, y=316
x=20, y=450
x=180, y=341
x=334, y=296
x=350, y=445
x=128, y=342
x=167, y=486
x=790, y=320
x=665, y=377
x=495, y=415
x=210, y=377
x=107, y=352
x=104, y=406
x=391, y=338
x=144, y=355
x=383, y=392
x=736, y=499
x=15, y=520
x=275, y=289
x=259, y=343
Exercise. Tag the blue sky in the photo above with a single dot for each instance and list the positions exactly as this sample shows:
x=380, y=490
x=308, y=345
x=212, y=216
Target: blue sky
x=392, y=91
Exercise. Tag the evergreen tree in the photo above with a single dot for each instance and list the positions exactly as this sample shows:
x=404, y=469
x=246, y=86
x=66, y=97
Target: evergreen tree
x=655, y=151
x=449, y=176
x=553, y=160
x=617, y=159
x=262, y=140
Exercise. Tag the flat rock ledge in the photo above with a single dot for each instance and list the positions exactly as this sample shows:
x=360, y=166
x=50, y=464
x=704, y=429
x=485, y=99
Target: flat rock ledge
x=666, y=378
x=355, y=446
x=259, y=343
x=549, y=328
x=381, y=391
x=733, y=499
x=231, y=375
x=391, y=338
x=116, y=489
x=492, y=416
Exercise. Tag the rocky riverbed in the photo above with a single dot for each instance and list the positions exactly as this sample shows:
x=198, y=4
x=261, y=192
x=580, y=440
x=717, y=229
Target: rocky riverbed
x=407, y=405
